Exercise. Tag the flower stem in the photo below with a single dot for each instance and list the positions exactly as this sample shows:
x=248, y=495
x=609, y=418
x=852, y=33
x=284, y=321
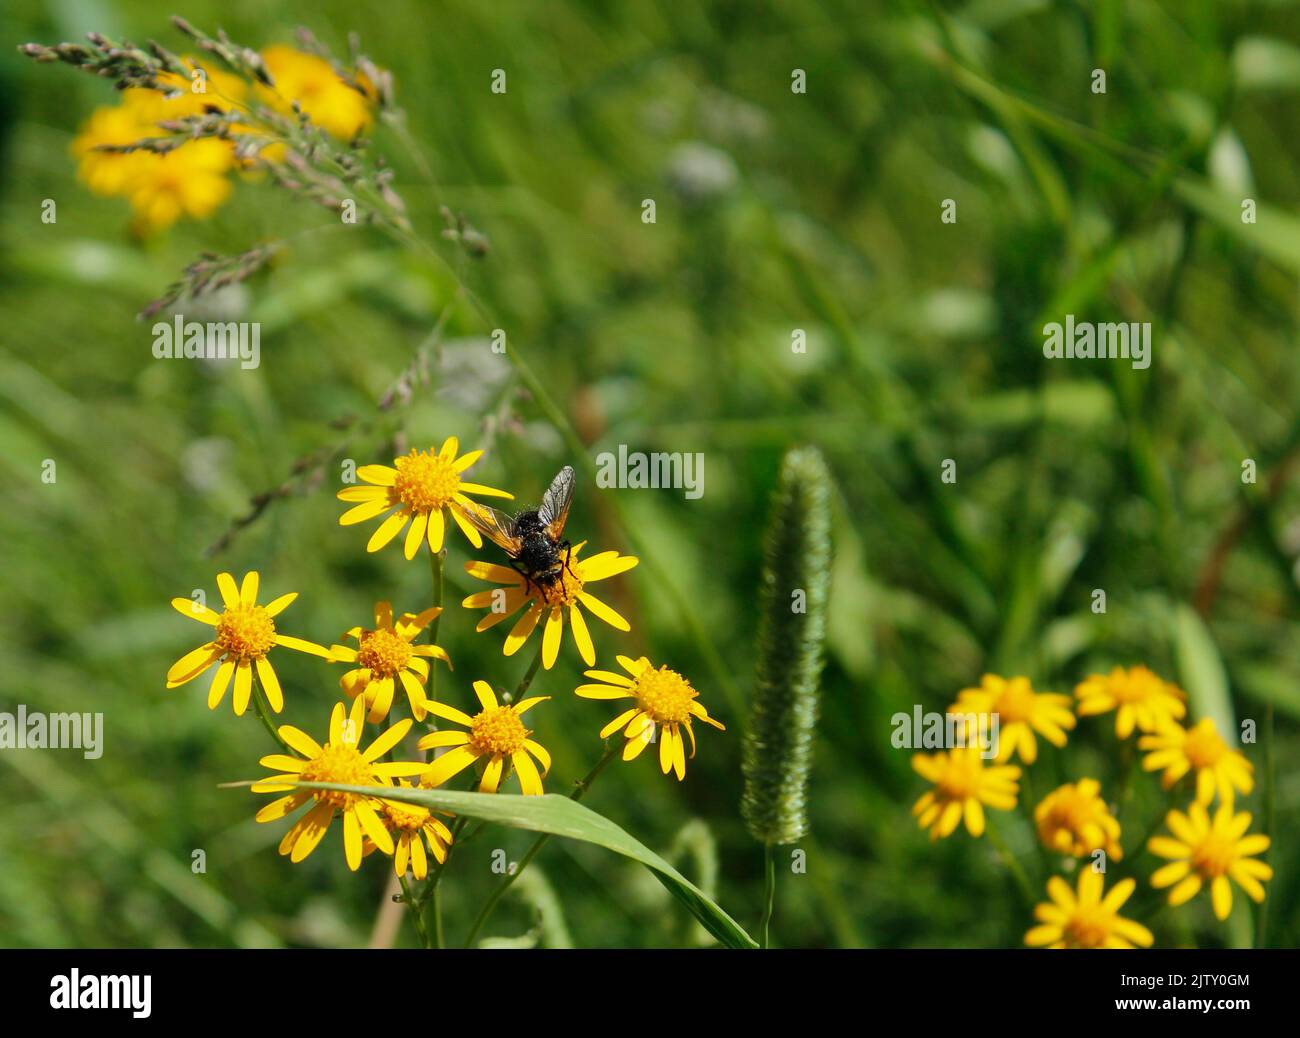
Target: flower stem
x=1017, y=870
x=417, y=915
x=529, y=675
x=263, y=709
x=769, y=891
x=437, y=916
x=578, y=793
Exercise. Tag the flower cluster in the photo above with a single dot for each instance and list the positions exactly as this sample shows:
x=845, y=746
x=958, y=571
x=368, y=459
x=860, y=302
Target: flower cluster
x=425, y=493
x=140, y=149
x=1074, y=820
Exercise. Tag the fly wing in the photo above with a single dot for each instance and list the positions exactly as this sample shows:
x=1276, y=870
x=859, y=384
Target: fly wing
x=554, y=512
x=494, y=525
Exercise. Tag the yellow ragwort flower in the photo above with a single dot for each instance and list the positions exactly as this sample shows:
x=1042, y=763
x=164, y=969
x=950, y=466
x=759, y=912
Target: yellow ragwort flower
x=339, y=761
x=328, y=101
x=1021, y=712
x=1138, y=696
x=1088, y=920
x=190, y=180
x=1179, y=750
x=495, y=733
x=557, y=599
x=245, y=633
x=665, y=702
x=108, y=172
x=1205, y=851
x=963, y=784
x=1073, y=819
x=408, y=823
x=422, y=485
x=385, y=655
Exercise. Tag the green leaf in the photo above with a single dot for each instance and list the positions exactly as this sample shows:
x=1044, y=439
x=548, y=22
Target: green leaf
x=561, y=816
x=1201, y=669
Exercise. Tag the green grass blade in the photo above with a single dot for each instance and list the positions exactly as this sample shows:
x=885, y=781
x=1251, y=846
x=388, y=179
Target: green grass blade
x=1201, y=669
x=561, y=816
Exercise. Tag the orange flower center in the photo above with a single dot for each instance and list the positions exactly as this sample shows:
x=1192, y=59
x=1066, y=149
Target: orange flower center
x=961, y=780
x=245, y=632
x=664, y=694
x=1016, y=703
x=1072, y=820
x=565, y=590
x=498, y=732
x=341, y=764
x=384, y=652
x=1136, y=685
x=1203, y=747
x=1088, y=927
x=1069, y=811
x=407, y=817
x=425, y=482
x=1213, y=856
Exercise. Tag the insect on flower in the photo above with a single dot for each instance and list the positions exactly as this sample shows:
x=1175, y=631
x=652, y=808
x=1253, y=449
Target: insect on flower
x=533, y=538
x=544, y=571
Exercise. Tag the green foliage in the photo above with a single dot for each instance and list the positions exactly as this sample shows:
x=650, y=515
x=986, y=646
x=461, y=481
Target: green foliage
x=924, y=343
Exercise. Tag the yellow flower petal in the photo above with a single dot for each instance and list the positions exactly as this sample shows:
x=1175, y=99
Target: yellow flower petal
x=243, y=687
x=551, y=637
x=192, y=664
x=387, y=530
x=220, y=682
x=229, y=590
x=581, y=636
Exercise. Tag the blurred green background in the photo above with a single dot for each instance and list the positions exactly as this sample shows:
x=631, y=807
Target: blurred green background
x=775, y=211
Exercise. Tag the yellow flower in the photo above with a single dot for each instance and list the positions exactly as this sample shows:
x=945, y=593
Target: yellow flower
x=665, y=702
x=1179, y=750
x=187, y=181
x=408, y=822
x=245, y=633
x=190, y=181
x=1021, y=712
x=555, y=600
x=1074, y=820
x=962, y=786
x=329, y=102
x=495, y=733
x=385, y=655
x=340, y=761
x=108, y=172
x=1205, y=851
x=420, y=484
x=1140, y=698
x=1089, y=920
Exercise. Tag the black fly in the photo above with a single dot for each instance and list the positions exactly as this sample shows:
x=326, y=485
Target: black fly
x=534, y=538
